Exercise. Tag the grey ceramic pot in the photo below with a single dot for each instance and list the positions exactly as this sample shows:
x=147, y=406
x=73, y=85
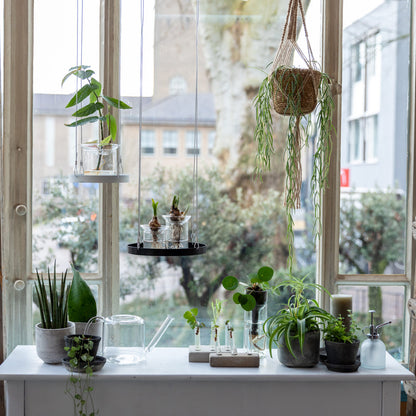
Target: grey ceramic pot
x=50, y=343
x=309, y=357
x=341, y=353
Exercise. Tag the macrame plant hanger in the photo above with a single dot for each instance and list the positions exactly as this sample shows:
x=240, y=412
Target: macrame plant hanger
x=79, y=172
x=194, y=246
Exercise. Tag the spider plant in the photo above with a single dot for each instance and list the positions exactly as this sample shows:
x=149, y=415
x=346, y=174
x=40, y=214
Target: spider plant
x=289, y=83
x=300, y=316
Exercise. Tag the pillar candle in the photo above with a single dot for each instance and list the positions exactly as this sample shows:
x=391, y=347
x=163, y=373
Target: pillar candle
x=342, y=305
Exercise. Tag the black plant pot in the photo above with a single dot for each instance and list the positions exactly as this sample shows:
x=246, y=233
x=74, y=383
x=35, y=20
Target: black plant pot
x=69, y=342
x=343, y=353
x=308, y=357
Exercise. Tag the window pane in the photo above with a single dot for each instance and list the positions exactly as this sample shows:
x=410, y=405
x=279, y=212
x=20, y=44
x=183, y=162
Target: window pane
x=170, y=142
x=65, y=214
x=389, y=304
x=374, y=133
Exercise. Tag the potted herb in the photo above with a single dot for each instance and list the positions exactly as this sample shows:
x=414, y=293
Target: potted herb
x=99, y=156
x=341, y=343
x=154, y=232
x=54, y=325
x=82, y=307
x=191, y=319
x=177, y=222
x=254, y=304
x=82, y=358
x=295, y=328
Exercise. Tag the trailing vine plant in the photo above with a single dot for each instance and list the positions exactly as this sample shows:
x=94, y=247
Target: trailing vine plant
x=291, y=84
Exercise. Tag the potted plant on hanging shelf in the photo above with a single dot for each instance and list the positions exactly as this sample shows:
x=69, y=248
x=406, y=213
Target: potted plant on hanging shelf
x=295, y=329
x=177, y=222
x=82, y=307
x=154, y=234
x=341, y=344
x=54, y=325
x=254, y=304
x=295, y=93
x=99, y=156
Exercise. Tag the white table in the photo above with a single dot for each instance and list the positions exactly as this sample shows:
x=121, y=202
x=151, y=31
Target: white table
x=168, y=385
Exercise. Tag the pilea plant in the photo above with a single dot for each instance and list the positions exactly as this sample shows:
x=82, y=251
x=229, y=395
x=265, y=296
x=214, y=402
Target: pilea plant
x=258, y=282
x=291, y=84
x=191, y=319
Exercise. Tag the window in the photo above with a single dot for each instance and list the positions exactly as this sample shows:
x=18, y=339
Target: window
x=148, y=142
x=170, y=142
x=242, y=224
x=177, y=85
x=190, y=143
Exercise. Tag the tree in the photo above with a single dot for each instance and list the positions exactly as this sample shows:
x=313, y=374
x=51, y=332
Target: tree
x=240, y=233
x=372, y=236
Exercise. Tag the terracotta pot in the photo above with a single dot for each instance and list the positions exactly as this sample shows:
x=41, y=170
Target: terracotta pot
x=309, y=357
x=50, y=343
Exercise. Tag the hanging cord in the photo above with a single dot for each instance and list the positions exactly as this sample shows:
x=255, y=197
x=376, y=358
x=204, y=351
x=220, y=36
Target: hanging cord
x=139, y=238
x=194, y=234
x=80, y=17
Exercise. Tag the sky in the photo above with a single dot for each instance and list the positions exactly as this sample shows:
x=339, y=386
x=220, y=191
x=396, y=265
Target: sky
x=56, y=40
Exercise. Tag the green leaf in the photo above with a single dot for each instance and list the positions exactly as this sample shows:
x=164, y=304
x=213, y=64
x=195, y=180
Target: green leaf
x=88, y=109
x=230, y=283
x=105, y=141
x=112, y=126
x=81, y=95
x=194, y=311
x=236, y=298
x=265, y=274
x=83, y=121
x=247, y=302
x=113, y=102
x=188, y=315
x=81, y=302
x=97, y=91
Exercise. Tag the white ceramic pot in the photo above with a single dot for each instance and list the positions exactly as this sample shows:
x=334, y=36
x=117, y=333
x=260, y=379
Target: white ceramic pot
x=50, y=343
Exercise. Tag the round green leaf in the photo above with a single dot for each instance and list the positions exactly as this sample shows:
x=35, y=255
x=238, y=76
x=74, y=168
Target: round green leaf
x=236, y=298
x=248, y=303
x=230, y=283
x=265, y=274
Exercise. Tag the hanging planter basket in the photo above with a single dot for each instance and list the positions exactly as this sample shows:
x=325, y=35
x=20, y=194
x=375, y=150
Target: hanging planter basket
x=295, y=93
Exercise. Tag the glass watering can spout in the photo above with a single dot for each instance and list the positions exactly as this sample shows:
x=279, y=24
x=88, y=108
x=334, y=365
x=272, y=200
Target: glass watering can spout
x=124, y=338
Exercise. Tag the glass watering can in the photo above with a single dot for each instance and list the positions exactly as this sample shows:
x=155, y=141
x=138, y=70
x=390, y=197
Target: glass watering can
x=124, y=338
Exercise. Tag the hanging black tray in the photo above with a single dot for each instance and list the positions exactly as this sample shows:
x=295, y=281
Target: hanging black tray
x=193, y=249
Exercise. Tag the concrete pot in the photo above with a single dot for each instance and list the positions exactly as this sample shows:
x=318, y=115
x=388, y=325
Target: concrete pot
x=50, y=343
x=342, y=353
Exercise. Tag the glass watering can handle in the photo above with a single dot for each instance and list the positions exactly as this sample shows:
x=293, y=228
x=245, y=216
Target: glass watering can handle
x=159, y=333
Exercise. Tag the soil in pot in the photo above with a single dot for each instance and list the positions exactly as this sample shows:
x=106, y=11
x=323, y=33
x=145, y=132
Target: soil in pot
x=308, y=357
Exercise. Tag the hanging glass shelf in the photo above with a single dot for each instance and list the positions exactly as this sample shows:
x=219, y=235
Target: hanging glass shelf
x=100, y=178
x=193, y=249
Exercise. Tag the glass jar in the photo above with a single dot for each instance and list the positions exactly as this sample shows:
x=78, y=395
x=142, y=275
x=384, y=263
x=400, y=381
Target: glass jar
x=154, y=237
x=177, y=231
x=100, y=160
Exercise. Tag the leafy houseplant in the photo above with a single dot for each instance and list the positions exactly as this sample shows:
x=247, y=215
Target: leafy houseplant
x=81, y=304
x=285, y=89
x=295, y=329
x=54, y=325
x=191, y=319
x=95, y=111
x=81, y=350
x=341, y=343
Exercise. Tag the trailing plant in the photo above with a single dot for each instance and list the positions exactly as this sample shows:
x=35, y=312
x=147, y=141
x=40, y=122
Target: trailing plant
x=334, y=330
x=81, y=302
x=52, y=301
x=79, y=388
x=258, y=282
x=300, y=316
x=290, y=83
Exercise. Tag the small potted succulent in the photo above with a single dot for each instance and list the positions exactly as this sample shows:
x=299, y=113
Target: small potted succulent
x=177, y=222
x=295, y=329
x=154, y=233
x=341, y=343
x=99, y=156
x=191, y=319
x=52, y=299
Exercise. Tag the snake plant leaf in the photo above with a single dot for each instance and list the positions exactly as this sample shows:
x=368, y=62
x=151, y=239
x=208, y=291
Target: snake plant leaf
x=81, y=302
